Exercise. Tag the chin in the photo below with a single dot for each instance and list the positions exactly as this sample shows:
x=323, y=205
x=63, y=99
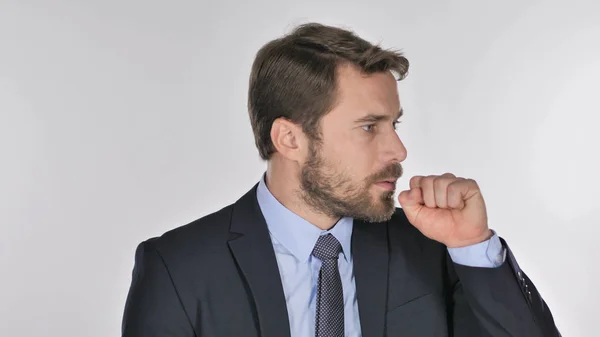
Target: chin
x=379, y=216
x=383, y=208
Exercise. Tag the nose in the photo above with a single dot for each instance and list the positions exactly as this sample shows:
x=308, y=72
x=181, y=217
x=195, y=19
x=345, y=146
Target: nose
x=395, y=149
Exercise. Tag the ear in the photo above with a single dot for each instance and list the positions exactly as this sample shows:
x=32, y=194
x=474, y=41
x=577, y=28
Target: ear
x=289, y=139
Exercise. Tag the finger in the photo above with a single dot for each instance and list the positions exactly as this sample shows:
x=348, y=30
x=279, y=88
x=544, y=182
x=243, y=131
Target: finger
x=411, y=201
x=440, y=187
x=459, y=191
x=415, y=182
x=428, y=191
x=448, y=175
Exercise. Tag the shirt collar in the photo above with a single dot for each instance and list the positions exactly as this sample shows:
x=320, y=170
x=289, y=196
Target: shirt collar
x=293, y=232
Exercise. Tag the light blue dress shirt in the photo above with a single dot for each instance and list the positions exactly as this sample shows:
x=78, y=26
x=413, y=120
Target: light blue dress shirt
x=293, y=240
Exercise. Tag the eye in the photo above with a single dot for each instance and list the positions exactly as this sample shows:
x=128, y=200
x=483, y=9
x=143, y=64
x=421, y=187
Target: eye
x=369, y=128
x=396, y=124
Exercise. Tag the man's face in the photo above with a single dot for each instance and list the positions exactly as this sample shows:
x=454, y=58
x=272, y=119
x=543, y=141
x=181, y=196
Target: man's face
x=345, y=175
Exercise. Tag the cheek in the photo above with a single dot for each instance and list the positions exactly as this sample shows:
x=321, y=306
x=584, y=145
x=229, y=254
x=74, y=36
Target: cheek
x=350, y=154
x=353, y=160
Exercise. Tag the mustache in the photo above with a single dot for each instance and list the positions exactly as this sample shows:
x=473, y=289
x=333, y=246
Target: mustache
x=390, y=172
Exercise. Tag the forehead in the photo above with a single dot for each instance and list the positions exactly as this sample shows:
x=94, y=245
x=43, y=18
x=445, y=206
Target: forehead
x=360, y=94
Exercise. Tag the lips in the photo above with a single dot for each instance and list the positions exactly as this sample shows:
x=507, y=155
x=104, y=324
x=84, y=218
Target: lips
x=389, y=185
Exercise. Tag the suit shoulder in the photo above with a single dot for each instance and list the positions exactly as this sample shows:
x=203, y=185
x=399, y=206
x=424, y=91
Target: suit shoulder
x=208, y=230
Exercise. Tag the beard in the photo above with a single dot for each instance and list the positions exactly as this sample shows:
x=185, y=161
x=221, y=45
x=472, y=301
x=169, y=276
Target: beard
x=335, y=194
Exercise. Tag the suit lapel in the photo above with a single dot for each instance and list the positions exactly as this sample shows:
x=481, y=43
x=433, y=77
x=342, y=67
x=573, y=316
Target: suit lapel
x=253, y=251
x=370, y=255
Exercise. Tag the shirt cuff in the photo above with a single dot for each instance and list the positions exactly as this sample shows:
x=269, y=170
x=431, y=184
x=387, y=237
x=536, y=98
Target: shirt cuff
x=486, y=254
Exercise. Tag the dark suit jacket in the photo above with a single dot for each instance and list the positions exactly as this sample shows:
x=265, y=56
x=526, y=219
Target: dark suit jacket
x=218, y=276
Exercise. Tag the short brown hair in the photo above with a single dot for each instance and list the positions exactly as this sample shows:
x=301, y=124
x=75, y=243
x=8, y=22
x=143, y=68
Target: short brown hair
x=295, y=77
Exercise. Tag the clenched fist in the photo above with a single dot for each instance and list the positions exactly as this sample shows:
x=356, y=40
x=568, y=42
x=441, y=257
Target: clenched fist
x=447, y=209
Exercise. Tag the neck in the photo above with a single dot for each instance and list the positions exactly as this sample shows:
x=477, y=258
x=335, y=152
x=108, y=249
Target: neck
x=283, y=181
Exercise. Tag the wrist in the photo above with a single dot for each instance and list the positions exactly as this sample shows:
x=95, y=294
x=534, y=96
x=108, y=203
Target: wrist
x=486, y=235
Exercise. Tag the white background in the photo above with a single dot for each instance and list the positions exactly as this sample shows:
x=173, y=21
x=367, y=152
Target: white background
x=120, y=120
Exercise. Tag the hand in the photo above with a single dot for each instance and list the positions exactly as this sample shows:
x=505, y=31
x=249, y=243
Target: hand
x=447, y=209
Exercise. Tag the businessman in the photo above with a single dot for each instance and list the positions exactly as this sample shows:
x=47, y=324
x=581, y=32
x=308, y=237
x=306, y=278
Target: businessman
x=317, y=247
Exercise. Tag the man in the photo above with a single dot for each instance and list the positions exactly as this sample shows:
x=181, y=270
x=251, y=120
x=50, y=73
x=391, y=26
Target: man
x=317, y=247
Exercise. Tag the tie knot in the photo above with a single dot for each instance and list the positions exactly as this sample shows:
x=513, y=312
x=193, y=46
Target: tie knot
x=327, y=248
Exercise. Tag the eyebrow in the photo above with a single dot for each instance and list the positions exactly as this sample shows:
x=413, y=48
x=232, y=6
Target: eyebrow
x=376, y=118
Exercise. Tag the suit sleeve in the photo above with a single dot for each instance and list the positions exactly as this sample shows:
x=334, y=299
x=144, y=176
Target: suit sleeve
x=153, y=307
x=499, y=301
